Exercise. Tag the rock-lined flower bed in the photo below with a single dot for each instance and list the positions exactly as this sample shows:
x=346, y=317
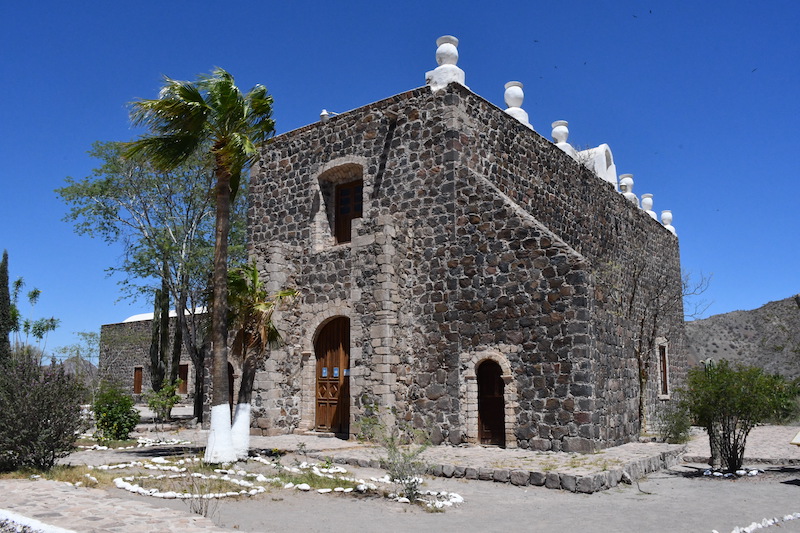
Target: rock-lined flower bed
x=245, y=484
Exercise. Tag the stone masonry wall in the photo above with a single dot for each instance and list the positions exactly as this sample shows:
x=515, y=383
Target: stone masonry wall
x=633, y=259
x=479, y=240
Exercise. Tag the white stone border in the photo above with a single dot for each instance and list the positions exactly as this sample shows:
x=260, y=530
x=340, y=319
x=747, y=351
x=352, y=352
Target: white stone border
x=39, y=527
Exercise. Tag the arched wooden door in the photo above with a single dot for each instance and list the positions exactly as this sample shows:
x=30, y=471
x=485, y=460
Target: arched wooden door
x=332, y=349
x=491, y=405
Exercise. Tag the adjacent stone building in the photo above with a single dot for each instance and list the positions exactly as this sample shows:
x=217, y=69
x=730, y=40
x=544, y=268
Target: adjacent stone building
x=463, y=275
x=125, y=357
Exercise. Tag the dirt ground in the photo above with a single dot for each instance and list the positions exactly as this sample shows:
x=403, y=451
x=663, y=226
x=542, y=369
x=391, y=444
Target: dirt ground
x=676, y=499
x=680, y=499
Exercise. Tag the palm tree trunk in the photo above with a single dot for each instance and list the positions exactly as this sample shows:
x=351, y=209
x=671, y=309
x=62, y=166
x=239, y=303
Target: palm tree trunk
x=241, y=421
x=220, y=446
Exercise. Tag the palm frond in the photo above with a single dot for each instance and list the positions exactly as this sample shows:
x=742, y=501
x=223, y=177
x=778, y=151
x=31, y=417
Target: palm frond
x=165, y=151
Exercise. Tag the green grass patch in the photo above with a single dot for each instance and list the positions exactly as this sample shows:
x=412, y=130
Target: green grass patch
x=314, y=481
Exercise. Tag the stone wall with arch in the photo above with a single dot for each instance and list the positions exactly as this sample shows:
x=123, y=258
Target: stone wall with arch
x=470, y=361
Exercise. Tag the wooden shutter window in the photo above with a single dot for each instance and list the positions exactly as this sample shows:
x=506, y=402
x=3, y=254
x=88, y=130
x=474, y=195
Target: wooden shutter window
x=349, y=205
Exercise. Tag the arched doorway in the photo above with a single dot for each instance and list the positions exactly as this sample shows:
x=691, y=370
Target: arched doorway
x=491, y=405
x=332, y=350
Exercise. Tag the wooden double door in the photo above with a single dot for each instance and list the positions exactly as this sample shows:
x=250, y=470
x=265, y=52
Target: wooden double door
x=332, y=350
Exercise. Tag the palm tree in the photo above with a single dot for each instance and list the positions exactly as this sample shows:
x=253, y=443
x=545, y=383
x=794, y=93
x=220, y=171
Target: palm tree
x=250, y=306
x=210, y=114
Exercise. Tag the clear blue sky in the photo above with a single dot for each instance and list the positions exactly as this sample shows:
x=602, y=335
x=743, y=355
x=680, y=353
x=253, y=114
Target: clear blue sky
x=701, y=104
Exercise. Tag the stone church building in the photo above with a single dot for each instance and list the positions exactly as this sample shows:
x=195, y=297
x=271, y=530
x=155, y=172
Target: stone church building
x=461, y=274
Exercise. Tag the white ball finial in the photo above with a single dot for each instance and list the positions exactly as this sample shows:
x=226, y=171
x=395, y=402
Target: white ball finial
x=647, y=205
x=447, y=71
x=666, y=219
x=560, y=131
x=447, y=51
x=514, y=97
x=626, y=188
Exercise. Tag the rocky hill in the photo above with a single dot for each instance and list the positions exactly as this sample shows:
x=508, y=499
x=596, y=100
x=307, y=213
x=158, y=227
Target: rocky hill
x=767, y=337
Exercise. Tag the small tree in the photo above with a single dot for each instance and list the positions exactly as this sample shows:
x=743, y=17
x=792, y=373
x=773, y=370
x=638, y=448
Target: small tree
x=162, y=401
x=729, y=400
x=250, y=309
x=29, y=327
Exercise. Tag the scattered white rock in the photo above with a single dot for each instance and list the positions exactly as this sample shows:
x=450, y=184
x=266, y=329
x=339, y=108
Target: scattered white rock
x=301, y=486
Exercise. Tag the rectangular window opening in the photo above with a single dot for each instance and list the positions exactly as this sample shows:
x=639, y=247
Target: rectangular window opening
x=349, y=205
x=664, y=367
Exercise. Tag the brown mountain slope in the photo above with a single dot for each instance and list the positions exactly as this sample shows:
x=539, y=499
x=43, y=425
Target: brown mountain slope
x=767, y=337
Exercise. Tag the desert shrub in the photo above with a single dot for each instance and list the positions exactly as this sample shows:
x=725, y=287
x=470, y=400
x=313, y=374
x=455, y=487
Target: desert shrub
x=162, y=402
x=114, y=414
x=672, y=421
x=368, y=427
x=403, y=462
x=729, y=400
x=403, y=446
x=40, y=413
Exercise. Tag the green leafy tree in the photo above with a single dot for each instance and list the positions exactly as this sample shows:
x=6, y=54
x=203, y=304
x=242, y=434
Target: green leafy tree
x=209, y=114
x=251, y=308
x=729, y=400
x=165, y=221
x=5, y=310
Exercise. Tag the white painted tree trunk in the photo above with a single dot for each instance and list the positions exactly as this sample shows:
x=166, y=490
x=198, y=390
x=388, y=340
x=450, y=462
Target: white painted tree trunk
x=220, y=444
x=240, y=432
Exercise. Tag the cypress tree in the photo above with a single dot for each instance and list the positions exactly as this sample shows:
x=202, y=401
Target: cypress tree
x=5, y=309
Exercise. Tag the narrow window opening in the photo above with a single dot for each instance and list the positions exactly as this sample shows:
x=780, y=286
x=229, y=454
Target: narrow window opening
x=664, y=366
